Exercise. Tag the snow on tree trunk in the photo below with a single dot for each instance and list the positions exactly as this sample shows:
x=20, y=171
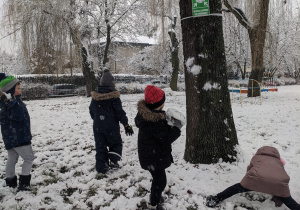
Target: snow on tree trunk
x=210, y=131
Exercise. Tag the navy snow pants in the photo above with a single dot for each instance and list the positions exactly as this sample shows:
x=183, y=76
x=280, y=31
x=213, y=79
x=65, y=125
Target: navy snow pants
x=108, y=147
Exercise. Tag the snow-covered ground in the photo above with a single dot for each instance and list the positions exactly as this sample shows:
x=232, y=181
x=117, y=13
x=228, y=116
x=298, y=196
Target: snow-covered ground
x=63, y=176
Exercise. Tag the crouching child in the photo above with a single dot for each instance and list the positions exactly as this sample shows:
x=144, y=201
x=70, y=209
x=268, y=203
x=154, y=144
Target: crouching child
x=265, y=174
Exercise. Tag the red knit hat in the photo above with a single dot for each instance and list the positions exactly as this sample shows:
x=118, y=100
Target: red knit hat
x=154, y=96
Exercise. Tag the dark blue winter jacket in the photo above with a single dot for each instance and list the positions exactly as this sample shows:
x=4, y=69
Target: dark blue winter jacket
x=106, y=110
x=15, y=123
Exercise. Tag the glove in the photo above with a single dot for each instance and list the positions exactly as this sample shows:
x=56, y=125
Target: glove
x=177, y=123
x=277, y=202
x=128, y=130
x=2, y=97
x=5, y=96
x=174, y=122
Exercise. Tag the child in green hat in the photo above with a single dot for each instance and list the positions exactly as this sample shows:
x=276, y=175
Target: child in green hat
x=16, y=134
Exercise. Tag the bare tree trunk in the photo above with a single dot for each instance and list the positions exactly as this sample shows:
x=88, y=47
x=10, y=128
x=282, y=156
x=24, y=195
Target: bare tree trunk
x=80, y=41
x=210, y=131
x=89, y=76
x=175, y=61
x=243, y=71
x=257, y=35
x=108, y=37
x=108, y=40
x=90, y=79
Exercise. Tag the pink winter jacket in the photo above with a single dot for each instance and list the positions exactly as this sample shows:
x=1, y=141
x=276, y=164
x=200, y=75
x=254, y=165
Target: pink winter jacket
x=266, y=173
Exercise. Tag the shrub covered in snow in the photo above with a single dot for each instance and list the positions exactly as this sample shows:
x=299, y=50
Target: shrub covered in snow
x=34, y=91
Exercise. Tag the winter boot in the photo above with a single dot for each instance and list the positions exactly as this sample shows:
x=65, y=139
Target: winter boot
x=12, y=182
x=114, y=165
x=212, y=201
x=156, y=207
x=142, y=204
x=159, y=206
x=277, y=202
x=162, y=199
x=24, y=183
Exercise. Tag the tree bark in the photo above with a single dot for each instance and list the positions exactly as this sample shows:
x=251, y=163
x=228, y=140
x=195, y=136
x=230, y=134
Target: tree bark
x=257, y=36
x=89, y=76
x=108, y=40
x=210, y=131
x=77, y=38
x=242, y=71
x=175, y=61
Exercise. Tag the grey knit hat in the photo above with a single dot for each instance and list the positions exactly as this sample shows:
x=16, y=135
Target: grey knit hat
x=107, y=80
x=7, y=83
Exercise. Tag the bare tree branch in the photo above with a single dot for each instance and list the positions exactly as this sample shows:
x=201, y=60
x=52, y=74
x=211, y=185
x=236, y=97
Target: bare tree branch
x=124, y=13
x=239, y=14
x=11, y=33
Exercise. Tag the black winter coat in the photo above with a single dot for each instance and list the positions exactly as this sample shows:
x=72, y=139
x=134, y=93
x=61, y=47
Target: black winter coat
x=155, y=138
x=15, y=123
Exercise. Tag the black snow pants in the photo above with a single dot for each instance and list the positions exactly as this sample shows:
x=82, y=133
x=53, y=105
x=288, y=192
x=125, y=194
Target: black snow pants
x=238, y=188
x=159, y=183
x=108, y=147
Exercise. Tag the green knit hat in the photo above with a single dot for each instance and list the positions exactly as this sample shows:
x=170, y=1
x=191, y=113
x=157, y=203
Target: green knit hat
x=7, y=83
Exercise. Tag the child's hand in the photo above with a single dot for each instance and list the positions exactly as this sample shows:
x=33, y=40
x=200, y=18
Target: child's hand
x=2, y=97
x=128, y=130
x=5, y=96
x=174, y=122
x=177, y=123
x=175, y=118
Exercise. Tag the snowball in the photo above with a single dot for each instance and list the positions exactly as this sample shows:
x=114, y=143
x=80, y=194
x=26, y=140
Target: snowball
x=174, y=113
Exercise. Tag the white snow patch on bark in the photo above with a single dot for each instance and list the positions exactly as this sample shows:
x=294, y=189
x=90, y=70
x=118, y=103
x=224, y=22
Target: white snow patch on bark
x=189, y=62
x=196, y=69
x=191, y=67
x=226, y=122
x=201, y=56
x=209, y=86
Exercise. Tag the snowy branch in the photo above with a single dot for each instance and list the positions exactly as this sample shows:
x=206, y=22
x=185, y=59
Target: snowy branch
x=239, y=14
x=124, y=13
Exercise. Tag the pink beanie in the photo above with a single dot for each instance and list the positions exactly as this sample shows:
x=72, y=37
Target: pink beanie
x=282, y=160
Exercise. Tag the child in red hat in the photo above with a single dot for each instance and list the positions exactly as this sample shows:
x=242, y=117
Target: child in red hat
x=154, y=141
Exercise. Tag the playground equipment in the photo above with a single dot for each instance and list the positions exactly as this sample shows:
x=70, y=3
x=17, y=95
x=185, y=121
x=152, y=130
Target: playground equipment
x=267, y=84
x=129, y=87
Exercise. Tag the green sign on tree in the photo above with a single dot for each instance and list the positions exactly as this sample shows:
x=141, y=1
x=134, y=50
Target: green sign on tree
x=200, y=7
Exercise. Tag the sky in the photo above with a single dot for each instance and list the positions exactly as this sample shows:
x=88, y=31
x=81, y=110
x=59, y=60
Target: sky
x=63, y=176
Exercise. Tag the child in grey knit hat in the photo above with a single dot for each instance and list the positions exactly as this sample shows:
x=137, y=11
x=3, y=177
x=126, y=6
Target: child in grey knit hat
x=107, y=113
